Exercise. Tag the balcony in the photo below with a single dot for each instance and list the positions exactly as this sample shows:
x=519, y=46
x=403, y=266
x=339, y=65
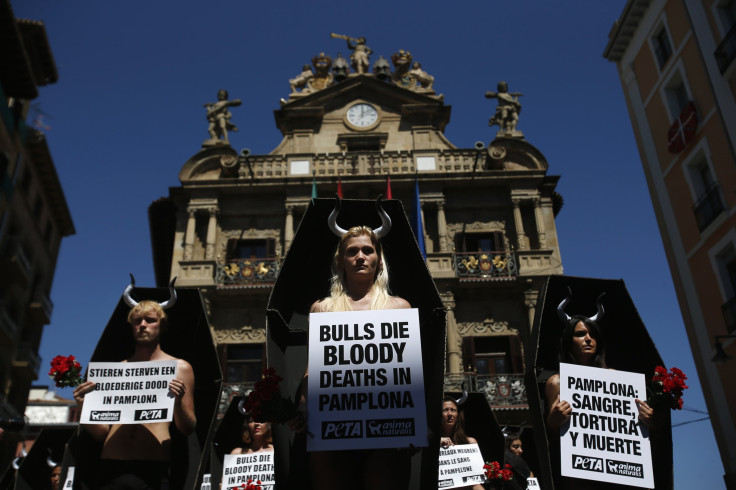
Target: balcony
x=8, y=326
x=726, y=51
x=40, y=307
x=503, y=391
x=247, y=272
x=27, y=359
x=485, y=266
x=231, y=390
x=729, y=314
x=14, y=264
x=708, y=207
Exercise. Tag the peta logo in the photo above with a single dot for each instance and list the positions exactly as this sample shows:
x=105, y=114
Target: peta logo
x=152, y=414
x=445, y=483
x=342, y=429
x=390, y=427
x=587, y=463
x=473, y=479
x=105, y=415
x=624, y=468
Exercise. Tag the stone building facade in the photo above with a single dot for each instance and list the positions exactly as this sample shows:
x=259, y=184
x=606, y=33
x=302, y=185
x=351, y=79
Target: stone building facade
x=488, y=217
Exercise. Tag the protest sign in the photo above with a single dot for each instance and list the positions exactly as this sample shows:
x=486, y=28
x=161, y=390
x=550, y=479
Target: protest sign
x=237, y=469
x=69, y=479
x=206, y=482
x=366, y=384
x=532, y=483
x=460, y=465
x=603, y=439
x=129, y=393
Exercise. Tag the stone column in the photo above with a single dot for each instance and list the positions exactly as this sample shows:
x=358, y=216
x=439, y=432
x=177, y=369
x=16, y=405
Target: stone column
x=540, y=223
x=209, y=253
x=189, y=237
x=530, y=301
x=520, y=235
x=442, y=226
x=454, y=355
x=289, y=226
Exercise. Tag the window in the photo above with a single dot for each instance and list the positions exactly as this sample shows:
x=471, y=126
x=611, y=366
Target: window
x=251, y=249
x=726, y=265
x=480, y=242
x=708, y=204
x=245, y=362
x=676, y=95
x=662, y=47
x=492, y=355
x=727, y=14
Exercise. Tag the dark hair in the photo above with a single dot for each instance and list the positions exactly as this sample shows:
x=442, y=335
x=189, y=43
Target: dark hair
x=511, y=438
x=458, y=432
x=566, y=344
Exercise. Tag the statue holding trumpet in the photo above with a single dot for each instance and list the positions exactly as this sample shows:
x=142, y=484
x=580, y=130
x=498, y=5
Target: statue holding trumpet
x=507, y=111
x=360, y=52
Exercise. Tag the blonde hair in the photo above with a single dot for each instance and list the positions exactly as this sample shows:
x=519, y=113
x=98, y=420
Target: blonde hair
x=147, y=306
x=338, y=299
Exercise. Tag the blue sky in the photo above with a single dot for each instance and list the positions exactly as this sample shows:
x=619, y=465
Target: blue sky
x=127, y=113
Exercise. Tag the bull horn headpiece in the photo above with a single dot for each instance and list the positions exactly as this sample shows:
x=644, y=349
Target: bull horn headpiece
x=50, y=461
x=241, y=406
x=564, y=317
x=463, y=398
x=380, y=232
x=23, y=453
x=133, y=303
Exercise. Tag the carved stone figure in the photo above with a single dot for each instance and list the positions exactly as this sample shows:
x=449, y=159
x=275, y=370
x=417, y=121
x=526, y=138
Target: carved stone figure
x=322, y=76
x=301, y=80
x=400, y=76
x=507, y=111
x=340, y=68
x=421, y=77
x=381, y=69
x=218, y=115
x=360, y=52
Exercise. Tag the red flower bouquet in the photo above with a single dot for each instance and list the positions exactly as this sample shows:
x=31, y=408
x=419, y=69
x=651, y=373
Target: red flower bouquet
x=251, y=485
x=494, y=471
x=665, y=389
x=65, y=371
x=265, y=403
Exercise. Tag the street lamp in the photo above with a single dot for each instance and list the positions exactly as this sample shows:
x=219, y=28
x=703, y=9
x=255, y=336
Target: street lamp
x=720, y=356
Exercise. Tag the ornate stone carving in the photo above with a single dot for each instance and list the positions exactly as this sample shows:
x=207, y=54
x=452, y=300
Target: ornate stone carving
x=242, y=335
x=487, y=327
x=301, y=80
x=507, y=111
x=360, y=52
x=322, y=76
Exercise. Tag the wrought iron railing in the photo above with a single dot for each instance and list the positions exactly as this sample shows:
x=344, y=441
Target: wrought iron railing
x=708, y=207
x=729, y=314
x=726, y=51
x=501, y=390
x=248, y=272
x=485, y=265
x=230, y=390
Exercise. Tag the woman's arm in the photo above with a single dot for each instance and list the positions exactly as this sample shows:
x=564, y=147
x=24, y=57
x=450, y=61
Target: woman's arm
x=559, y=410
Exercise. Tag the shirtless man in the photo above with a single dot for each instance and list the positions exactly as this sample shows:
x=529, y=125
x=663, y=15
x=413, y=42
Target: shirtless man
x=138, y=455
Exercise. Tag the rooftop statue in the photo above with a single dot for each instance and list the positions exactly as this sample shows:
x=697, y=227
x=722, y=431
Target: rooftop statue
x=421, y=77
x=507, y=111
x=218, y=115
x=301, y=80
x=322, y=76
x=360, y=54
x=400, y=76
x=340, y=68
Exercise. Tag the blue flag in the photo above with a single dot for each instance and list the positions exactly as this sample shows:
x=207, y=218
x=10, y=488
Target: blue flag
x=416, y=219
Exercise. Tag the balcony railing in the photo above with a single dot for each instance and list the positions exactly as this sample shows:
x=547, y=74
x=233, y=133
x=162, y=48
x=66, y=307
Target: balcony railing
x=501, y=390
x=26, y=356
x=41, y=306
x=248, y=272
x=7, y=324
x=230, y=390
x=485, y=265
x=729, y=314
x=726, y=51
x=708, y=207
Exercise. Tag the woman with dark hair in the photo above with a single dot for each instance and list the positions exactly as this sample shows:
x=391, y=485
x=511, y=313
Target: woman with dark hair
x=453, y=431
x=256, y=437
x=513, y=457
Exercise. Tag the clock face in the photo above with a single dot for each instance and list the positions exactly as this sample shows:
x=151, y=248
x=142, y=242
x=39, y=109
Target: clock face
x=362, y=115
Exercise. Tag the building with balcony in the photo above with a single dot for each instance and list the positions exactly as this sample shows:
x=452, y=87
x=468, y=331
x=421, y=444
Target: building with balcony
x=488, y=218
x=34, y=216
x=677, y=63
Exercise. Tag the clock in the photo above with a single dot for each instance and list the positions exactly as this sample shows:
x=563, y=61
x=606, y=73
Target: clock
x=362, y=116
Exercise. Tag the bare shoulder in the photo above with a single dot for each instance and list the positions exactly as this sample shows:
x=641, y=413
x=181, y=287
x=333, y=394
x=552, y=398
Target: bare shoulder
x=397, y=303
x=553, y=382
x=183, y=366
x=318, y=306
x=472, y=440
x=237, y=450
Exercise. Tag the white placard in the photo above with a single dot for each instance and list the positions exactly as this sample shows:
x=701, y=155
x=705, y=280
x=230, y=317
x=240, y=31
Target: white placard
x=69, y=479
x=237, y=469
x=366, y=384
x=129, y=393
x=426, y=163
x=206, y=482
x=461, y=466
x=299, y=167
x=604, y=440
x=532, y=483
